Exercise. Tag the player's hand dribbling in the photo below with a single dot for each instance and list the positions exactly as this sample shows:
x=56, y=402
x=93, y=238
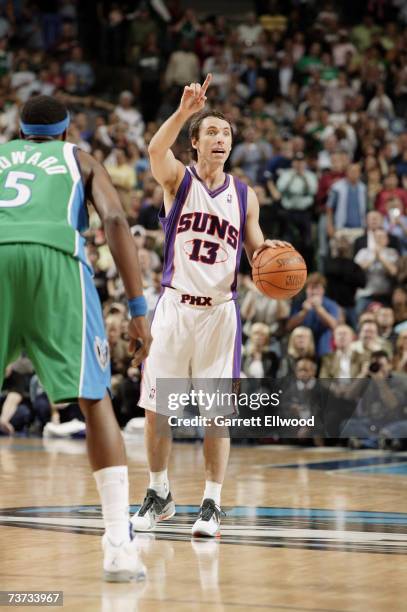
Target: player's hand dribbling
x=139, y=333
x=194, y=97
x=273, y=244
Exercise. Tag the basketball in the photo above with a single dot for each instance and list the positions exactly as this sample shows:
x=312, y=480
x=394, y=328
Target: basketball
x=279, y=273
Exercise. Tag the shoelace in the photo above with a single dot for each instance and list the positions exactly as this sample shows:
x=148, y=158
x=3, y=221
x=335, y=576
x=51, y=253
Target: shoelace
x=150, y=500
x=208, y=509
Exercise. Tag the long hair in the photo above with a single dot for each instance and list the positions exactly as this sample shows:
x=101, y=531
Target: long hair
x=310, y=348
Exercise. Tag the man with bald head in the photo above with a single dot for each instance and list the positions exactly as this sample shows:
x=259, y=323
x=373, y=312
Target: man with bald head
x=343, y=362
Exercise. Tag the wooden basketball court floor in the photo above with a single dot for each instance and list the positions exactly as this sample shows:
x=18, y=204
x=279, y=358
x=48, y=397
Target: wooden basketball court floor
x=306, y=529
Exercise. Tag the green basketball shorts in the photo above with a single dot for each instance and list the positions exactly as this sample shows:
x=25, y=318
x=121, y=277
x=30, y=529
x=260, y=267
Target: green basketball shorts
x=50, y=309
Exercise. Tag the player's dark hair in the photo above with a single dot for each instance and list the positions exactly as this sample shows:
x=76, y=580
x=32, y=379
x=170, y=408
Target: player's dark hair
x=43, y=110
x=195, y=126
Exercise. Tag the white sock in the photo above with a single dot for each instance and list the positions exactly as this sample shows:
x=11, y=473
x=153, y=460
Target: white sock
x=113, y=486
x=160, y=483
x=212, y=491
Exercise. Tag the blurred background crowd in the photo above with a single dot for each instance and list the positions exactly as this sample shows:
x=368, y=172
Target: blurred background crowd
x=317, y=96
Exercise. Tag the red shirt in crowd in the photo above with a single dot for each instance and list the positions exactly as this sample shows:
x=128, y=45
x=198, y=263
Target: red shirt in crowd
x=325, y=183
x=386, y=194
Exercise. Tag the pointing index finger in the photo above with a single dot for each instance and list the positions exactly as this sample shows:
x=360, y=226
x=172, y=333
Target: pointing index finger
x=206, y=83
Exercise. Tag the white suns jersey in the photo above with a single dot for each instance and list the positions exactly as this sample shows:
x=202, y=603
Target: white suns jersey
x=204, y=232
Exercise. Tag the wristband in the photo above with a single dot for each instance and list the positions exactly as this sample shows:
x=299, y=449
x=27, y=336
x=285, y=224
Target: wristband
x=138, y=306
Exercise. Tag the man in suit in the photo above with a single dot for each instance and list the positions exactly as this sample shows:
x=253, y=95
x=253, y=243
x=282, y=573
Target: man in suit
x=344, y=362
x=374, y=221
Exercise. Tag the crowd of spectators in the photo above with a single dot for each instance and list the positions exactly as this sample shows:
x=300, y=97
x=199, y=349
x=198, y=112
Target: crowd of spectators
x=317, y=96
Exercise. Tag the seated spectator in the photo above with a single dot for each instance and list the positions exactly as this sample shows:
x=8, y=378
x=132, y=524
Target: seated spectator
x=344, y=277
x=22, y=80
x=381, y=396
x=381, y=105
x=390, y=190
x=369, y=340
x=301, y=399
x=401, y=164
x=395, y=222
x=400, y=355
x=47, y=415
x=310, y=62
x=133, y=214
x=123, y=176
x=127, y=113
x=374, y=221
x=317, y=312
x=380, y=266
x=300, y=344
x=343, y=362
x=385, y=322
x=399, y=305
x=258, y=308
x=346, y=205
x=330, y=148
x=16, y=414
x=258, y=360
x=337, y=94
x=250, y=30
x=149, y=217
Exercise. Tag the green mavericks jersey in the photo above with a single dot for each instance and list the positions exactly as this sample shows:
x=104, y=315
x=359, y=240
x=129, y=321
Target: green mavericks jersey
x=42, y=196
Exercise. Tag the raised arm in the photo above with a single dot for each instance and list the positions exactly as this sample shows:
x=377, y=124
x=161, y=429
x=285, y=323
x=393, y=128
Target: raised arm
x=166, y=169
x=102, y=194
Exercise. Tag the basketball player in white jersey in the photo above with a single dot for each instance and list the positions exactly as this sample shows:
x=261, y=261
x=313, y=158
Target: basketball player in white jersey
x=208, y=216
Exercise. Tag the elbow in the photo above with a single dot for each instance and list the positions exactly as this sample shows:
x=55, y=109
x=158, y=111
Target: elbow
x=115, y=219
x=153, y=149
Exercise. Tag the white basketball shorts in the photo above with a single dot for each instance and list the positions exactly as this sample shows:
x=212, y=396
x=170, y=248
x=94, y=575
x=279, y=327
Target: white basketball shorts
x=191, y=341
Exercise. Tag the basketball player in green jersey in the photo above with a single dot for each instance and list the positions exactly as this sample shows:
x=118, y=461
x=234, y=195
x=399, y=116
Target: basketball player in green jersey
x=49, y=306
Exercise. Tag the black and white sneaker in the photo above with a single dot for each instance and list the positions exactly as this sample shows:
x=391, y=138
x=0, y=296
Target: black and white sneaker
x=153, y=510
x=208, y=521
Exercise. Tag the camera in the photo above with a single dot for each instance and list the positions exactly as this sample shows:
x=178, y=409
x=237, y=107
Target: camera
x=394, y=213
x=374, y=367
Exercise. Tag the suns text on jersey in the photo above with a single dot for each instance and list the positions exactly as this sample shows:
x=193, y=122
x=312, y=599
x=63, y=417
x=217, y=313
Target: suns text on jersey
x=209, y=224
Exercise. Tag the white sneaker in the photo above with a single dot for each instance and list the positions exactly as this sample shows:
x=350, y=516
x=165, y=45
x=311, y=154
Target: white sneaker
x=208, y=521
x=121, y=562
x=153, y=510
